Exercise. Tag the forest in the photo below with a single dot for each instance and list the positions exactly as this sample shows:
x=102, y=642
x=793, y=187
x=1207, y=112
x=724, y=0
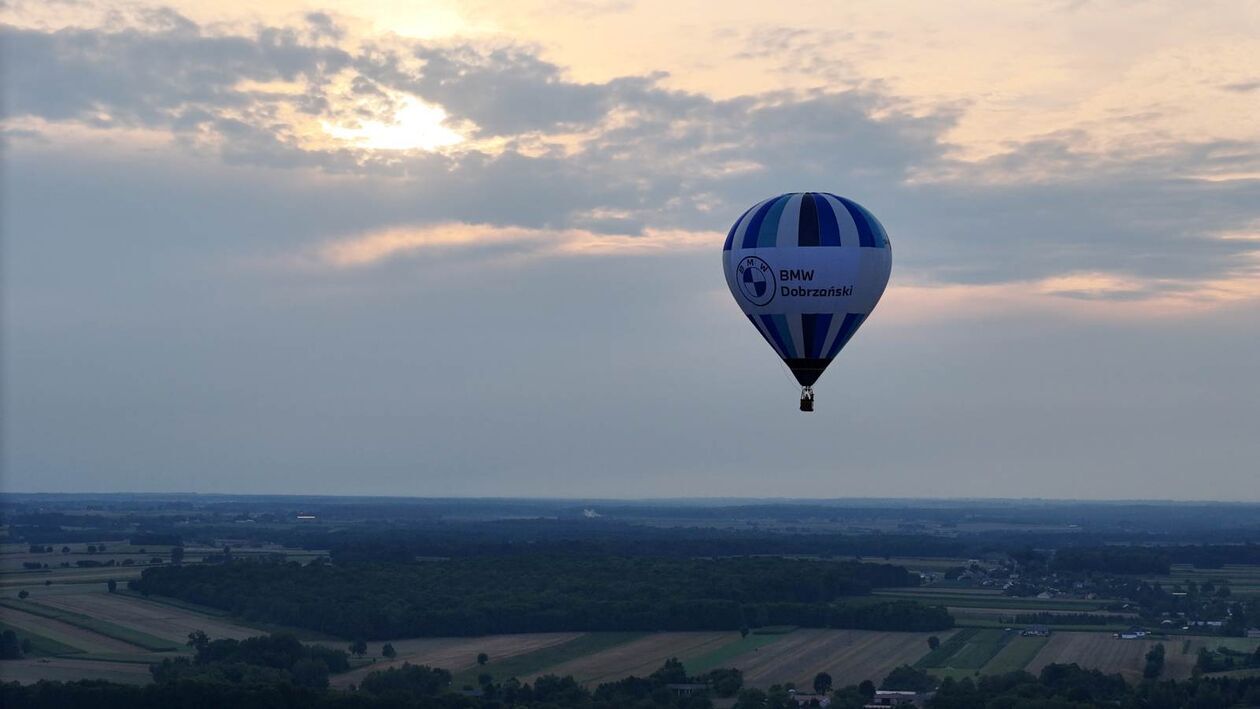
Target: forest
x=520, y=594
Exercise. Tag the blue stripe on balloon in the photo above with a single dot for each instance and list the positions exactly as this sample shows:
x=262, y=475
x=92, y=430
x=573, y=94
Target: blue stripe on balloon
x=767, y=322
x=847, y=328
x=809, y=323
x=770, y=226
x=730, y=238
x=877, y=229
x=786, y=334
x=807, y=230
x=866, y=234
x=828, y=225
x=754, y=225
x=822, y=324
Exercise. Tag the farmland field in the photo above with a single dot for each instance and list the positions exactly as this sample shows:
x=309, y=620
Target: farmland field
x=962, y=598
x=454, y=654
x=159, y=620
x=41, y=645
x=67, y=669
x=1015, y=655
x=531, y=663
x=850, y=656
x=65, y=633
x=86, y=622
x=640, y=657
x=1106, y=653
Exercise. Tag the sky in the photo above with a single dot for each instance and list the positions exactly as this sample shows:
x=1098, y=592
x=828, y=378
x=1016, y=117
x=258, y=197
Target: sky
x=473, y=248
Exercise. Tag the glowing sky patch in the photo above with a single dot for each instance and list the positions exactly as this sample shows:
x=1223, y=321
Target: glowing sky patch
x=416, y=125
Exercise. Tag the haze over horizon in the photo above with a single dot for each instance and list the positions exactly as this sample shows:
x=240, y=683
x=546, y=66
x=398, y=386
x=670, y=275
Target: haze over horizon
x=472, y=249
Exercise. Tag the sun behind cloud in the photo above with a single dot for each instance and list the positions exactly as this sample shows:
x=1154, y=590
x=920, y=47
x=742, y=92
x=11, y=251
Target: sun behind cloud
x=416, y=125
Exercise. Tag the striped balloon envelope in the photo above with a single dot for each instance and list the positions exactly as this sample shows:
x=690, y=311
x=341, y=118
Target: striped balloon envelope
x=807, y=268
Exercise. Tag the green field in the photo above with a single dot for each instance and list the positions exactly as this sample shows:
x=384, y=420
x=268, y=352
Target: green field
x=962, y=599
x=41, y=646
x=175, y=603
x=109, y=630
x=533, y=662
x=1016, y=655
x=722, y=656
x=968, y=649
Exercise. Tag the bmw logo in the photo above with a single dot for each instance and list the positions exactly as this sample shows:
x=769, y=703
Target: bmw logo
x=756, y=280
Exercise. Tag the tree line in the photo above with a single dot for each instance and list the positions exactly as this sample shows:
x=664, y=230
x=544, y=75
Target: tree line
x=478, y=596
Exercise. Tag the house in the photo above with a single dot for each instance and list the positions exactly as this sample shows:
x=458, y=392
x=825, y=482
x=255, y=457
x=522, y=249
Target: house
x=687, y=689
x=1036, y=631
x=1253, y=632
x=808, y=700
x=897, y=698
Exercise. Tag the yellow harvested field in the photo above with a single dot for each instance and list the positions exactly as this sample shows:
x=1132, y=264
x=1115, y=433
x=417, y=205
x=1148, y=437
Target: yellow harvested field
x=157, y=619
x=453, y=654
x=849, y=656
x=65, y=669
x=65, y=633
x=1101, y=651
x=639, y=657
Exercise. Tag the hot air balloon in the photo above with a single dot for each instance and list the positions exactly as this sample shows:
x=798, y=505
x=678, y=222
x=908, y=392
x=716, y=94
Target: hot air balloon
x=807, y=268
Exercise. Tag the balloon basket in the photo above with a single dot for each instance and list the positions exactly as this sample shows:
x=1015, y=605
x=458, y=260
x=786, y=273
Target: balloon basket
x=807, y=399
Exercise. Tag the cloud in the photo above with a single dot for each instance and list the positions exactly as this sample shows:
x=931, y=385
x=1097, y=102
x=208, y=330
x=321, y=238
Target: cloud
x=1242, y=86
x=396, y=242
x=490, y=134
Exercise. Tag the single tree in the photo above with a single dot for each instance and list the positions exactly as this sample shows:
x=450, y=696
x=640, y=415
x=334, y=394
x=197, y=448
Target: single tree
x=388, y=651
x=227, y=552
x=933, y=642
x=744, y=631
x=822, y=683
x=112, y=585
x=359, y=647
x=10, y=647
x=911, y=679
x=65, y=550
x=198, y=640
x=177, y=555
x=867, y=689
x=482, y=658
x=26, y=646
x=23, y=593
x=91, y=548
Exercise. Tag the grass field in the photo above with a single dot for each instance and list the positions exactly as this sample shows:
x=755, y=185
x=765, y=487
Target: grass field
x=85, y=622
x=41, y=645
x=168, y=623
x=454, y=654
x=532, y=663
x=639, y=657
x=849, y=656
x=65, y=669
x=959, y=598
x=65, y=633
x=1103, y=652
x=1016, y=655
x=724, y=655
